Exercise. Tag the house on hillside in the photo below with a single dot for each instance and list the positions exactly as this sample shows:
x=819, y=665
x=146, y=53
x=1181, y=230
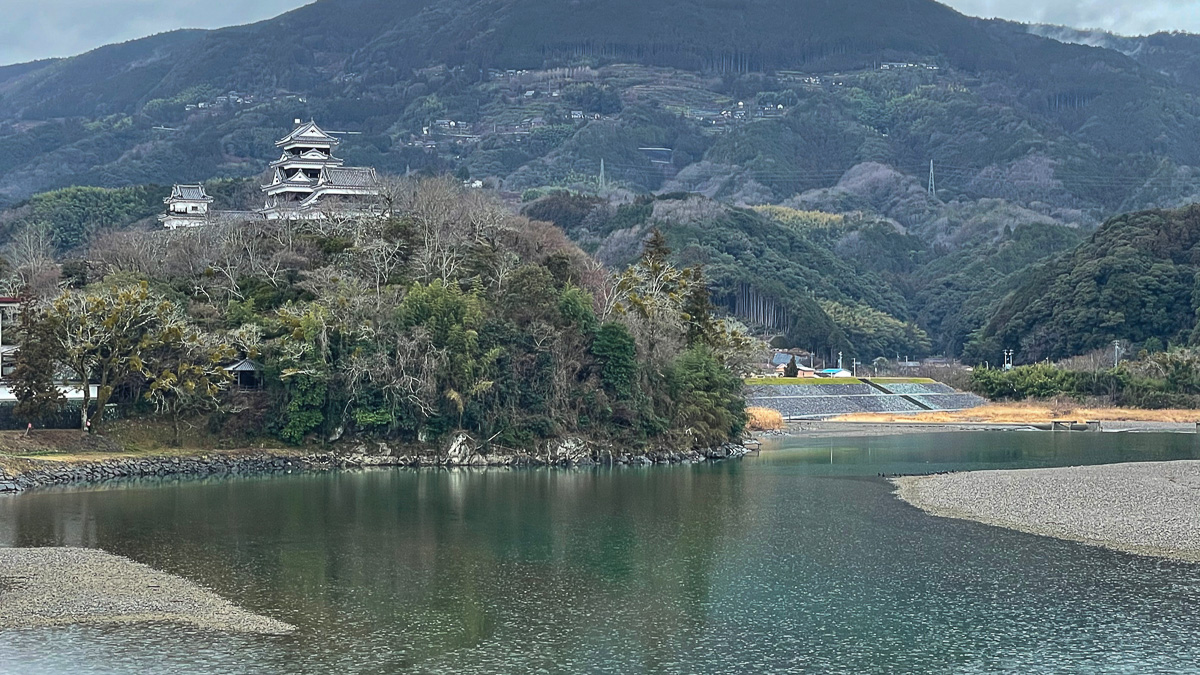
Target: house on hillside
x=247, y=374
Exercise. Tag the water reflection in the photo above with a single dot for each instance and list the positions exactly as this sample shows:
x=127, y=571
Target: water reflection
x=784, y=561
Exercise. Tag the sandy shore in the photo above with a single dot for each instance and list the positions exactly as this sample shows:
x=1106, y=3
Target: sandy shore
x=1149, y=508
x=57, y=586
x=836, y=428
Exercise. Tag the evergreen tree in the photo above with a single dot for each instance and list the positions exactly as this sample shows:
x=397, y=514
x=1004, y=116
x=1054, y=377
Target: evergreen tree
x=32, y=378
x=616, y=351
x=791, y=369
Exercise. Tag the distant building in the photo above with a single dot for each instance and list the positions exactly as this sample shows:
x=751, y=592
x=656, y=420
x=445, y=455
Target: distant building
x=835, y=372
x=307, y=174
x=187, y=206
x=306, y=181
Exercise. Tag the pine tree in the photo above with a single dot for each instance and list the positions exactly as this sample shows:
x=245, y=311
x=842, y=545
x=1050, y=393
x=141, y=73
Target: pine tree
x=656, y=249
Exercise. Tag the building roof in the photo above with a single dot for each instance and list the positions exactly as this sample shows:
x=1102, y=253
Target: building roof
x=308, y=132
x=309, y=157
x=190, y=193
x=349, y=176
x=244, y=366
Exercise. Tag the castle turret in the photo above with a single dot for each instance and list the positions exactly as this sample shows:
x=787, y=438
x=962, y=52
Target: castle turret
x=307, y=173
x=187, y=206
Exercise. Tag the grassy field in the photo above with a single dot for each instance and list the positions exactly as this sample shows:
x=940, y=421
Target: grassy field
x=1038, y=412
x=121, y=439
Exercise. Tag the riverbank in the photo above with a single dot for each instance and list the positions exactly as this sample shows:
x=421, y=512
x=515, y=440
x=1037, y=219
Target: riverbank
x=1033, y=412
x=842, y=428
x=61, y=586
x=69, y=457
x=1148, y=508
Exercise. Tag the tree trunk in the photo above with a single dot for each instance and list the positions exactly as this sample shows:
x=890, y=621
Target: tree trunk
x=87, y=400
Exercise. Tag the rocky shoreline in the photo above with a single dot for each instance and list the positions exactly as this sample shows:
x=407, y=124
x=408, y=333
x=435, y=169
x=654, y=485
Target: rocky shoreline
x=459, y=452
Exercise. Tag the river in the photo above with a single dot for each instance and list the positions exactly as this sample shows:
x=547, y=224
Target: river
x=799, y=559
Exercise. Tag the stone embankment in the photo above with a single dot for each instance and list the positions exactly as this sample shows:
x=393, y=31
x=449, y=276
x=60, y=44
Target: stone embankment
x=461, y=451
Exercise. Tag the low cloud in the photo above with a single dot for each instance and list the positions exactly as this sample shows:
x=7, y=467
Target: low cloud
x=38, y=29
x=1126, y=17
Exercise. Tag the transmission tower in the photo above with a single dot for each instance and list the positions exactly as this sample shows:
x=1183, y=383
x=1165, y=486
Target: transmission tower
x=932, y=184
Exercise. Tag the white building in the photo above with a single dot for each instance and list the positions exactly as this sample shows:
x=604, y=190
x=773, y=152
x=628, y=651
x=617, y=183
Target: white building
x=307, y=174
x=187, y=206
x=306, y=181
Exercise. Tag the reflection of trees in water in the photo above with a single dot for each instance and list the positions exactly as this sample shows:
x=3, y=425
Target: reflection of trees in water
x=438, y=560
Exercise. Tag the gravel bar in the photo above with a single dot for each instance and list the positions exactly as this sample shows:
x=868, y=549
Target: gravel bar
x=1148, y=508
x=58, y=586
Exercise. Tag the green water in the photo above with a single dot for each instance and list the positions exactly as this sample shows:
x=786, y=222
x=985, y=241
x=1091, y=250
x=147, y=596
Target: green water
x=798, y=560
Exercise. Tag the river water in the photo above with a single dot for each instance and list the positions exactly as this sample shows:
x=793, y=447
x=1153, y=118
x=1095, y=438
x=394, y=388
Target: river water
x=796, y=560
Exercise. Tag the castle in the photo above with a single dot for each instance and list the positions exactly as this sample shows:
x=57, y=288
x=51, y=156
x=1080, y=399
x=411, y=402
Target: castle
x=307, y=181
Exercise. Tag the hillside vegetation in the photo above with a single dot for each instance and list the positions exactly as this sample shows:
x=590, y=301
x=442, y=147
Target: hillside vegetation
x=449, y=314
x=1134, y=280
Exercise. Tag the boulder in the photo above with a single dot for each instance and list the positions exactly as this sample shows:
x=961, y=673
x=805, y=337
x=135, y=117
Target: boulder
x=460, y=448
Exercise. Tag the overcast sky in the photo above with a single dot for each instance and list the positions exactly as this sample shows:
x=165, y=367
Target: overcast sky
x=34, y=29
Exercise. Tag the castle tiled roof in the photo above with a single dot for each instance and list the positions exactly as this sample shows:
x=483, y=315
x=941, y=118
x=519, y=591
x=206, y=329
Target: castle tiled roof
x=308, y=132
x=349, y=176
x=188, y=193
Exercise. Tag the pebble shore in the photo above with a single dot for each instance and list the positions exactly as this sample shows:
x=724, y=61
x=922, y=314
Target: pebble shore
x=1147, y=508
x=60, y=586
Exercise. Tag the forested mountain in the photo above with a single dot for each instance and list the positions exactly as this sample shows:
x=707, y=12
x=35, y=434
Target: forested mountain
x=753, y=101
x=867, y=287
x=1134, y=280
x=804, y=131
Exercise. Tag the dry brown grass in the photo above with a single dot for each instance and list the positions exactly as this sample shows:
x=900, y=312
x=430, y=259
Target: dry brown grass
x=763, y=419
x=1032, y=413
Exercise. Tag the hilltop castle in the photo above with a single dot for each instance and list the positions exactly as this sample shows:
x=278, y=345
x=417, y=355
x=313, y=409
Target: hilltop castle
x=307, y=181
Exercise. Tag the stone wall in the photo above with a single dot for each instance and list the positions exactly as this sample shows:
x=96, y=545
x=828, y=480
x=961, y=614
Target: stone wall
x=460, y=451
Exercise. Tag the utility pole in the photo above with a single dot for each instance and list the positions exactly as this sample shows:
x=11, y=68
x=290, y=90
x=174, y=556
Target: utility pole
x=839, y=360
x=1008, y=355
x=1116, y=353
x=932, y=184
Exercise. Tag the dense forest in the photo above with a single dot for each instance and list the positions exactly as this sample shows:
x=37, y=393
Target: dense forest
x=825, y=282
x=448, y=314
x=1134, y=280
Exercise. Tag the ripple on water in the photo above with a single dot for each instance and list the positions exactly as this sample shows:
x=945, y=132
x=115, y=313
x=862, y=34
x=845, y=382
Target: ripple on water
x=784, y=562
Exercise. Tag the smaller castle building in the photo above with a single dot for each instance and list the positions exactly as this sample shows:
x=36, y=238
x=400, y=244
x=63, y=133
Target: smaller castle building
x=187, y=206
